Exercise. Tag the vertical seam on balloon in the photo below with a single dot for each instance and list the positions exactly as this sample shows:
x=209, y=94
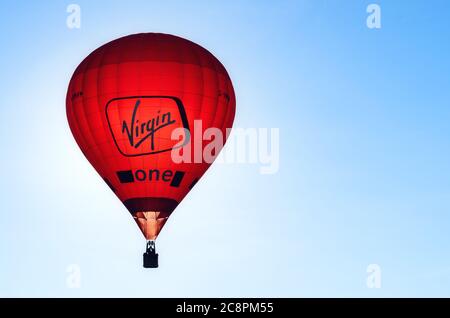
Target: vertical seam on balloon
x=197, y=66
x=75, y=125
x=220, y=123
x=97, y=155
x=142, y=44
x=216, y=98
x=228, y=89
x=89, y=131
x=202, y=94
x=224, y=116
x=75, y=117
x=230, y=106
x=181, y=54
x=118, y=63
x=153, y=186
x=101, y=111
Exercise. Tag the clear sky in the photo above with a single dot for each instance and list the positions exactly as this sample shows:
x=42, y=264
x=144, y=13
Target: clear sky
x=364, y=172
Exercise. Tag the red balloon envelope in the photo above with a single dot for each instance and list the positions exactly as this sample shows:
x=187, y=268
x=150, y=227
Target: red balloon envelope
x=123, y=103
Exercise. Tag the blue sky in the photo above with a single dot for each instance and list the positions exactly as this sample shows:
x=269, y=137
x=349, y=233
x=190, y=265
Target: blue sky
x=364, y=150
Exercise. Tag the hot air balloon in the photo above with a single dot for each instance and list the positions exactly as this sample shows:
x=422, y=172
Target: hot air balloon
x=123, y=104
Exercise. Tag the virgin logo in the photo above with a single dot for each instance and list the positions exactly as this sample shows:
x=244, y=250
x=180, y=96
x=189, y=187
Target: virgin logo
x=142, y=125
x=138, y=132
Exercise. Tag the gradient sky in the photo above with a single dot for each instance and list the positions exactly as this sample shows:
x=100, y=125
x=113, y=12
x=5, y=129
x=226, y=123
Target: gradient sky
x=364, y=157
